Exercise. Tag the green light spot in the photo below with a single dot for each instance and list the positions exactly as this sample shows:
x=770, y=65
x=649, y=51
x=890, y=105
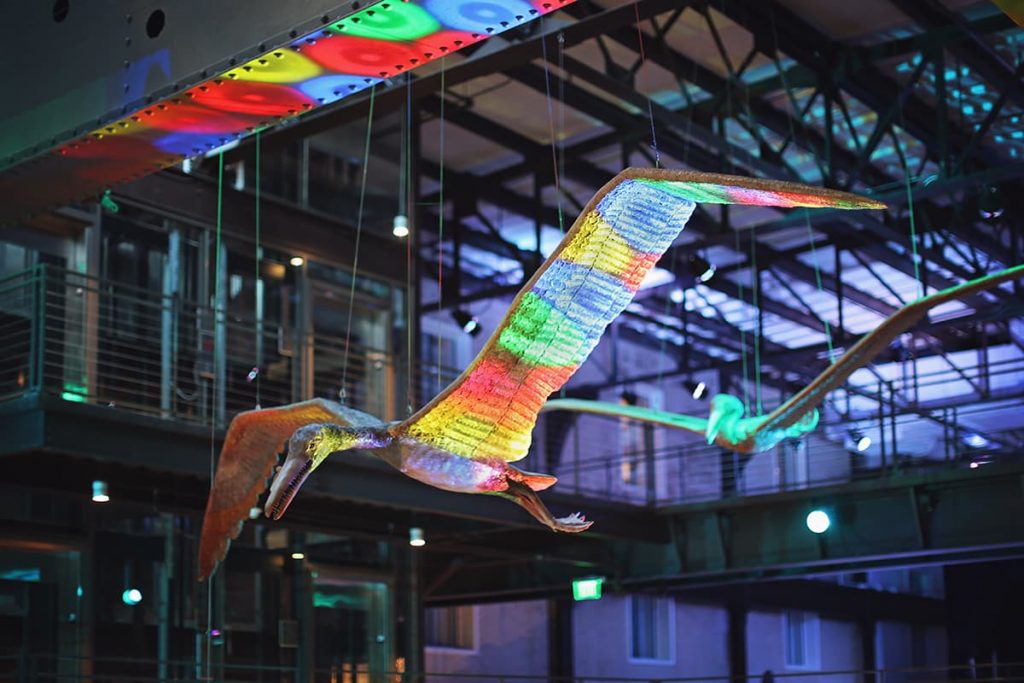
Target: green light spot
x=701, y=193
x=587, y=589
x=76, y=393
x=401, y=21
x=541, y=335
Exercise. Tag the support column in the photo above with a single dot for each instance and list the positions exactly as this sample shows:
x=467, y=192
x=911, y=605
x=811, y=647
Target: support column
x=169, y=320
x=867, y=647
x=164, y=599
x=409, y=609
x=737, y=644
x=220, y=337
x=561, y=655
x=302, y=611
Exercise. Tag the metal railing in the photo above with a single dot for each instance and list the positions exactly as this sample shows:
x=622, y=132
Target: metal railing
x=106, y=343
x=56, y=669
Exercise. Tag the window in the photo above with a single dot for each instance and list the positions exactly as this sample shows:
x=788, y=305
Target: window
x=801, y=640
x=450, y=627
x=651, y=629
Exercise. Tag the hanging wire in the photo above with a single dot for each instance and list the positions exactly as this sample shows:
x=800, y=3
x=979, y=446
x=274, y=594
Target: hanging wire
x=806, y=213
x=213, y=416
x=915, y=257
x=355, y=257
x=405, y=179
x=755, y=299
x=743, y=337
x=650, y=106
x=555, y=144
x=258, y=289
x=440, y=225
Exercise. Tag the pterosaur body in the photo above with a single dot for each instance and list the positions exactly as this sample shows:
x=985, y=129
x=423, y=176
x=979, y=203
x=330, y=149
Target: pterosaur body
x=728, y=428
x=465, y=439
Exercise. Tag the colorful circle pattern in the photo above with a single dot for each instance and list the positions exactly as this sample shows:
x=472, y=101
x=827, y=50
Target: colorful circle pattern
x=350, y=55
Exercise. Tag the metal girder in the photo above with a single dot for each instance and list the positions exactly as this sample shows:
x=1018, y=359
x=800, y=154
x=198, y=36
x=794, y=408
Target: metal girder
x=778, y=28
x=39, y=424
x=974, y=51
x=126, y=55
x=828, y=599
x=734, y=541
x=483, y=64
x=810, y=360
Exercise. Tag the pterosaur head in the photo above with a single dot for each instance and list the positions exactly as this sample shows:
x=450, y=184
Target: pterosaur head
x=307, y=448
x=726, y=413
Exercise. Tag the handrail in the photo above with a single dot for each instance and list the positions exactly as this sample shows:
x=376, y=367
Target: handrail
x=880, y=673
x=92, y=340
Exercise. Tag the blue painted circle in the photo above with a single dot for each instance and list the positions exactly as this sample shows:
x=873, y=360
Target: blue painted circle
x=478, y=15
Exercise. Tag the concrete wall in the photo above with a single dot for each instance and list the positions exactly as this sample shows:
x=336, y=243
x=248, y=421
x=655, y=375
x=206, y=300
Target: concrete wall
x=838, y=649
x=600, y=634
x=511, y=638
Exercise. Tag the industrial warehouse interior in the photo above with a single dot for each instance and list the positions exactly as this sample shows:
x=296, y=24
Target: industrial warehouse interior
x=512, y=341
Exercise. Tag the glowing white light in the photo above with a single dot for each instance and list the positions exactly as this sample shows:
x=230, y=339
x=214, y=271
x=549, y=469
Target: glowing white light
x=976, y=441
x=677, y=295
x=818, y=521
x=99, y=492
x=699, y=390
x=131, y=596
x=707, y=274
x=297, y=261
x=416, y=538
x=863, y=443
x=298, y=556
x=400, y=228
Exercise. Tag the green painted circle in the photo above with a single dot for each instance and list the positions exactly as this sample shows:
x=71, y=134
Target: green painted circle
x=399, y=21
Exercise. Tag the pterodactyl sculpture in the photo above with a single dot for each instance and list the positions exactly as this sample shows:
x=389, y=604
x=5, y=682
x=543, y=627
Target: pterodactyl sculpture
x=726, y=425
x=464, y=439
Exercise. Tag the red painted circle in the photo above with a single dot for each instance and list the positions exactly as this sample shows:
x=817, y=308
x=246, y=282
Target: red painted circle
x=194, y=118
x=363, y=56
x=249, y=97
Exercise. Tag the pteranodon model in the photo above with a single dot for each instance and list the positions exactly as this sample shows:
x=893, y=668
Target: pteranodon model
x=727, y=428
x=464, y=439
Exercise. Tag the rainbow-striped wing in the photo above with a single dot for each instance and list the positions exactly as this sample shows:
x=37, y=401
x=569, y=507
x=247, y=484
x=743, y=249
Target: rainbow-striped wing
x=559, y=315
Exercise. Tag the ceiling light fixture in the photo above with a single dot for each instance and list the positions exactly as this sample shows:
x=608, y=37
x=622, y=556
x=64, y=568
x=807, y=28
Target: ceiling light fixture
x=469, y=324
x=99, y=492
x=400, y=227
x=697, y=390
x=859, y=440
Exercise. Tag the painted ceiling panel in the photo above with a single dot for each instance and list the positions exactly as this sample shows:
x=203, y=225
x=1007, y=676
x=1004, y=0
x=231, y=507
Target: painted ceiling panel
x=346, y=57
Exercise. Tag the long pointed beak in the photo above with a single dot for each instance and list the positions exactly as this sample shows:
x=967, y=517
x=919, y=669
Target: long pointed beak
x=714, y=425
x=286, y=484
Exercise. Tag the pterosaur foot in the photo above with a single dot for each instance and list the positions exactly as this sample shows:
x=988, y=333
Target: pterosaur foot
x=528, y=499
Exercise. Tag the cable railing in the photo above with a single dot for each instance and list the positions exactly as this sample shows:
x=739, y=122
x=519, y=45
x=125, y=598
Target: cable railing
x=106, y=343
x=49, y=668
x=58, y=669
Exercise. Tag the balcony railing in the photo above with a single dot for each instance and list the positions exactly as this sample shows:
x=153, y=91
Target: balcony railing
x=33, y=667
x=106, y=343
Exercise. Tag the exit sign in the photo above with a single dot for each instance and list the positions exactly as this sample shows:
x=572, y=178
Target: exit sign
x=587, y=589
